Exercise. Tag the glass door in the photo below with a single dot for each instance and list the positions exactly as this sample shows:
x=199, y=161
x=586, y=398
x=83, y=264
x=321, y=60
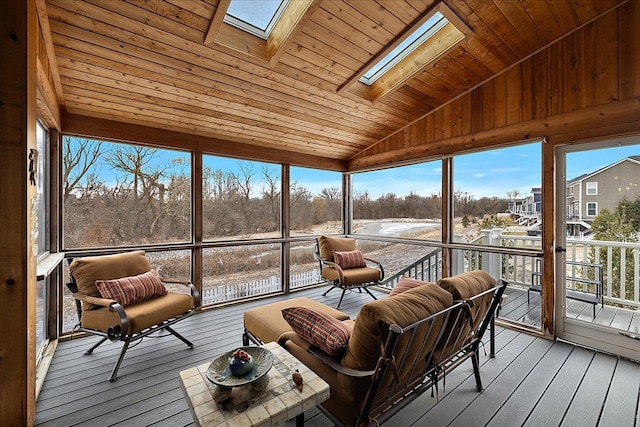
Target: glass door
x=598, y=245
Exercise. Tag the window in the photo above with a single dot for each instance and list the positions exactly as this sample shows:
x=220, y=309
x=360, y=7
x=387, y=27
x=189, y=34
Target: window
x=257, y=17
x=315, y=201
x=592, y=208
x=41, y=228
x=418, y=47
x=121, y=194
x=418, y=37
x=240, y=199
x=571, y=190
x=592, y=188
x=403, y=202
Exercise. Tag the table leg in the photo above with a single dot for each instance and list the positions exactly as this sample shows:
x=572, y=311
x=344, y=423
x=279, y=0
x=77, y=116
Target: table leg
x=300, y=420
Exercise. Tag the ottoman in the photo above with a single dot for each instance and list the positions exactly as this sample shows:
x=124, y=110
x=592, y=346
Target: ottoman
x=265, y=323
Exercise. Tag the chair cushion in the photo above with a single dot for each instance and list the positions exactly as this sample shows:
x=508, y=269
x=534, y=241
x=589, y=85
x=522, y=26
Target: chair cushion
x=349, y=259
x=129, y=290
x=468, y=284
x=141, y=315
x=323, y=331
x=266, y=322
x=404, y=284
x=352, y=276
x=328, y=245
x=106, y=267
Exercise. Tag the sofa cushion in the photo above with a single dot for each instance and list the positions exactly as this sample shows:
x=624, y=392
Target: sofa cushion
x=319, y=329
x=129, y=290
x=372, y=326
x=328, y=245
x=468, y=284
x=349, y=259
x=404, y=284
x=87, y=270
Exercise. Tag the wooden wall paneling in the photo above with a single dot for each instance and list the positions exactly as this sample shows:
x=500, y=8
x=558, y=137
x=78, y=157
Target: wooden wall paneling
x=526, y=90
x=556, y=80
x=465, y=119
x=588, y=83
x=476, y=110
x=500, y=100
x=572, y=69
x=448, y=120
x=629, y=48
x=18, y=47
x=513, y=94
x=489, y=104
x=585, y=10
x=429, y=128
x=403, y=10
x=438, y=124
x=540, y=84
x=608, y=77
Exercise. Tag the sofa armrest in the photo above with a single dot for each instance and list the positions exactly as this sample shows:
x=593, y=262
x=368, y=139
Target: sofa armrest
x=335, y=365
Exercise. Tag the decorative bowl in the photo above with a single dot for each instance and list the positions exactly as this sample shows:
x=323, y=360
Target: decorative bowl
x=220, y=371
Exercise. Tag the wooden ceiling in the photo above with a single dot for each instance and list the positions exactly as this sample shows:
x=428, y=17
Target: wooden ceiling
x=145, y=62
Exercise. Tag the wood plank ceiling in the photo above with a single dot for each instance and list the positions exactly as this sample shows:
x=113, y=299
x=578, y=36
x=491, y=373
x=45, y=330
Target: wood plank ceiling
x=145, y=62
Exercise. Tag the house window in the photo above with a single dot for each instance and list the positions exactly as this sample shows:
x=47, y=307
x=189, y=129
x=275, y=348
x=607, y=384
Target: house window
x=571, y=190
x=592, y=209
x=592, y=188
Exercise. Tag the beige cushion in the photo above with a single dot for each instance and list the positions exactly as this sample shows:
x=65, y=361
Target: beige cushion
x=352, y=276
x=141, y=315
x=372, y=325
x=328, y=245
x=266, y=322
x=404, y=284
x=106, y=267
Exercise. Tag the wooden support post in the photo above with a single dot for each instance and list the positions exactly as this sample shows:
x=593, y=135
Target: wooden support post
x=18, y=36
x=548, y=237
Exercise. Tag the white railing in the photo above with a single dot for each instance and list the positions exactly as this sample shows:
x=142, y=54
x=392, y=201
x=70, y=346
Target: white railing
x=621, y=280
x=234, y=291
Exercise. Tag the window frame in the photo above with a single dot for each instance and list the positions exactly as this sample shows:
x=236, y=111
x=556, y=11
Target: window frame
x=591, y=188
x=595, y=208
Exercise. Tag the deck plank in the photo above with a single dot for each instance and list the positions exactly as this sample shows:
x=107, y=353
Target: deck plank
x=530, y=382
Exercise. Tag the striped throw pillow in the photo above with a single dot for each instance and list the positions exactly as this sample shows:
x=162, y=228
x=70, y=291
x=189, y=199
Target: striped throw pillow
x=130, y=290
x=321, y=330
x=349, y=259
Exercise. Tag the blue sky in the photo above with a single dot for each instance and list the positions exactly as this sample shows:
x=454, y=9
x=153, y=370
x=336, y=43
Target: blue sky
x=488, y=173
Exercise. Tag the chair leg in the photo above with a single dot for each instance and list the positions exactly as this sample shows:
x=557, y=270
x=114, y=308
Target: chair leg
x=369, y=292
x=180, y=337
x=245, y=338
x=114, y=372
x=341, y=296
x=476, y=370
x=93, y=347
x=329, y=290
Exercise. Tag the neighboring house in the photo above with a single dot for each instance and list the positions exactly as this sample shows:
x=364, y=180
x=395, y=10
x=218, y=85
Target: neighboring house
x=527, y=211
x=588, y=194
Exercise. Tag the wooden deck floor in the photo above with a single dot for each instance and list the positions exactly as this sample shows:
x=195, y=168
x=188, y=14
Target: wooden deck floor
x=518, y=308
x=532, y=381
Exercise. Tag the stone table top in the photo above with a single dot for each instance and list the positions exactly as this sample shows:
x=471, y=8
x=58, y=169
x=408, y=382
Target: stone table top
x=279, y=402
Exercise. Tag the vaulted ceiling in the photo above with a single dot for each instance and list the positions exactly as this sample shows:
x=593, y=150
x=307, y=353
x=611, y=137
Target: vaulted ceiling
x=159, y=63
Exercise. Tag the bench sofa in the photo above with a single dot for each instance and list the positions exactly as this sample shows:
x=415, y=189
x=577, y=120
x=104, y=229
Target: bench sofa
x=396, y=349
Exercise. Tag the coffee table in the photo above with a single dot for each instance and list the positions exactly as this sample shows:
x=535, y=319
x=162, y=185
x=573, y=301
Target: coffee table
x=278, y=402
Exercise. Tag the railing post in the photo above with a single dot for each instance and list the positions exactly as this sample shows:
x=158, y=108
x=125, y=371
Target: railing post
x=458, y=265
x=492, y=266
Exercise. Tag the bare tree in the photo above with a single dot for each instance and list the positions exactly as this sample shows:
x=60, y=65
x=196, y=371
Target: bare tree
x=79, y=159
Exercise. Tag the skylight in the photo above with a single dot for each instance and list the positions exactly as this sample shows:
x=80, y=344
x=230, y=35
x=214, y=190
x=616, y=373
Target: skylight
x=418, y=37
x=257, y=17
